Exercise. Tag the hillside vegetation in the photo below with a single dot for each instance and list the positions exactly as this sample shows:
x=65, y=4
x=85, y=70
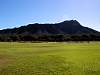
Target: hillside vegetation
x=69, y=30
x=66, y=27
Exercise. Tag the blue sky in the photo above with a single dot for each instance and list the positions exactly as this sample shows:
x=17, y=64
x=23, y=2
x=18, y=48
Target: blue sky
x=15, y=13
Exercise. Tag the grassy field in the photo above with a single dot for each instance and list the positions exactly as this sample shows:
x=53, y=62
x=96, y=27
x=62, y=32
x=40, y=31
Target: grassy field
x=50, y=58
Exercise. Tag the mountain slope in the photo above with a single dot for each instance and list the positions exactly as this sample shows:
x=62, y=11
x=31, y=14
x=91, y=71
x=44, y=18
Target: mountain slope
x=66, y=27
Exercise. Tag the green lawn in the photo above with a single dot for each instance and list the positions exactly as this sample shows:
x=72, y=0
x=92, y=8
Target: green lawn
x=50, y=58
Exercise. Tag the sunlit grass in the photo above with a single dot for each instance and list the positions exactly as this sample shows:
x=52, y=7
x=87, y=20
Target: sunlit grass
x=62, y=58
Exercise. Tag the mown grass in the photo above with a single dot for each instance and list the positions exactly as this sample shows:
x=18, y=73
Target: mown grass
x=50, y=58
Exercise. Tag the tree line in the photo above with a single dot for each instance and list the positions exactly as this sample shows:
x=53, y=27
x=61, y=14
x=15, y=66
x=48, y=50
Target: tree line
x=49, y=37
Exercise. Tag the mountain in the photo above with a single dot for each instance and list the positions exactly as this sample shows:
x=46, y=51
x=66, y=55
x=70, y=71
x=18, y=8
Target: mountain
x=66, y=27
